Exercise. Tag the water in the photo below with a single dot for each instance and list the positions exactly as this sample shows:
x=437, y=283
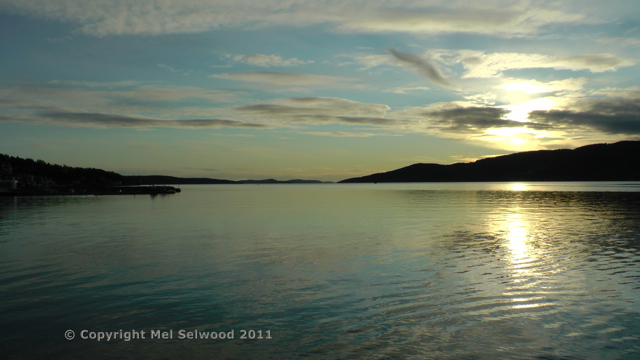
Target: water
x=406, y=271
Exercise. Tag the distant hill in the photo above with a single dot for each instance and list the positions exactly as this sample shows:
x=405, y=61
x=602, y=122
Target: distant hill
x=172, y=180
x=599, y=162
x=274, y=181
x=37, y=174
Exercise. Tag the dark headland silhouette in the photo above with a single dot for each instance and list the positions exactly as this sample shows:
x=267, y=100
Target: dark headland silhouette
x=35, y=177
x=598, y=162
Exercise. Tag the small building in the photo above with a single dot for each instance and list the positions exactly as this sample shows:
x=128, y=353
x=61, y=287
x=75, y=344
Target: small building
x=9, y=184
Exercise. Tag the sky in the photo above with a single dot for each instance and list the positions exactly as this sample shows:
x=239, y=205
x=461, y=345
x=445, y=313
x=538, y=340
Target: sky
x=323, y=90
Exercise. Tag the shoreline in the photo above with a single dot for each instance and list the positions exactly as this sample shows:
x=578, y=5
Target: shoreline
x=111, y=190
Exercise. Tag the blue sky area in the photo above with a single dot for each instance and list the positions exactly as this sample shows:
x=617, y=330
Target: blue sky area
x=311, y=89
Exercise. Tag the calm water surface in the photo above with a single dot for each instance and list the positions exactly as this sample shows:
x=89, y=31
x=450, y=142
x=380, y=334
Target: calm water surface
x=406, y=271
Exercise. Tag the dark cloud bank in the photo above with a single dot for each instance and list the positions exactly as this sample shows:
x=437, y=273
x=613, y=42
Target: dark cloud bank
x=111, y=120
x=611, y=116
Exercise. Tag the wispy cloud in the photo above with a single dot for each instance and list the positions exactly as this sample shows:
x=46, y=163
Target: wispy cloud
x=423, y=66
x=318, y=105
x=628, y=93
x=340, y=134
x=99, y=84
x=267, y=60
x=317, y=110
x=173, y=69
x=481, y=65
x=456, y=19
x=369, y=61
x=619, y=41
x=99, y=120
x=285, y=79
x=537, y=87
x=407, y=89
x=152, y=17
x=122, y=97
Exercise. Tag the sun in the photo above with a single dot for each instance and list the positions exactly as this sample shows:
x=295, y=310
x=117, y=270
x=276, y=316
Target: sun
x=519, y=138
x=520, y=112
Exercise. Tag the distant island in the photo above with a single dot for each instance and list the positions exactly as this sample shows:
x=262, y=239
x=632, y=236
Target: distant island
x=598, y=162
x=20, y=176
x=171, y=180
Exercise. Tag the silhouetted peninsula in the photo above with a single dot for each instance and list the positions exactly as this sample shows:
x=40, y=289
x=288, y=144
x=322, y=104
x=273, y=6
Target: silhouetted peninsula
x=35, y=177
x=599, y=162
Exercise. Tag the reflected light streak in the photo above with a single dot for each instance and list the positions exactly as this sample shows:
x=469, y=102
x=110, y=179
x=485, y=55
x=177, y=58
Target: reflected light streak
x=517, y=236
x=517, y=231
x=518, y=187
x=524, y=306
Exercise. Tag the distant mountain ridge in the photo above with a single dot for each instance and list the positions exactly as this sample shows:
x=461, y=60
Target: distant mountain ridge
x=37, y=174
x=598, y=162
x=171, y=180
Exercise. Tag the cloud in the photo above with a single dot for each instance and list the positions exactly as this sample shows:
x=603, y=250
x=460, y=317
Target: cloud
x=371, y=121
x=319, y=110
x=595, y=63
x=340, y=134
x=620, y=41
x=268, y=60
x=430, y=22
x=284, y=79
x=473, y=120
x=537, y=87
x=26, y=102
x=175, y=93
x=628, y=93
x=316, y=106
x=172, y=69
x=109, y=17
x=487, y=98
x=99, y=84
x=458, y=20
x=617, y=116
x=111, y=93
x=464, y=119
x=481, y=65
x=369, y=61
x=98, y=120
x=12, y=102
x=403, y=90
x=423, y=67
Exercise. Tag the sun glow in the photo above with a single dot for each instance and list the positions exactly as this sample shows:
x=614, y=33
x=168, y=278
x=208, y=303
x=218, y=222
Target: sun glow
x=521, y=112
x=526, y=86
x=514, y=139
x=519, y=138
